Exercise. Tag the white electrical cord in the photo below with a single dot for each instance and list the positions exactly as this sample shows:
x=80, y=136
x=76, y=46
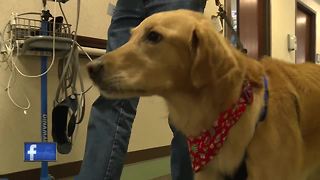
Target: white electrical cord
x=66, y=74
x=63, y=14
x=83, y=51
x=12, y=100
x=25, y=108
x=9, y=50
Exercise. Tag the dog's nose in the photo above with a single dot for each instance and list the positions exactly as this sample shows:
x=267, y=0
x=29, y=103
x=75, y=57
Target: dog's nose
x=95, y=70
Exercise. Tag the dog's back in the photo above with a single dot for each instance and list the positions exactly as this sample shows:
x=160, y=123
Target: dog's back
x=300, y=83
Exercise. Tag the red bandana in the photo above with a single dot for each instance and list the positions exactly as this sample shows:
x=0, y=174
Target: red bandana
x=204, y=147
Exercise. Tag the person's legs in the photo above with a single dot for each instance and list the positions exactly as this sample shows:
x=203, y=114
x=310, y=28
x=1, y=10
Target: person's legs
x=181, y=168
x=108, y=135
x=180, y=161
x=110, y=121
x=127, y=14
x=154, y=6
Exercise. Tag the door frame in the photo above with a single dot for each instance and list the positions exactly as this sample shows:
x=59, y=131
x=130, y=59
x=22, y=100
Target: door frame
x=313, y=14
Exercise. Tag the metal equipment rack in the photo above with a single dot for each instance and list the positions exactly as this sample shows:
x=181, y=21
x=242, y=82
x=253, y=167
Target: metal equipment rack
x=35, y=37
x=31, y=39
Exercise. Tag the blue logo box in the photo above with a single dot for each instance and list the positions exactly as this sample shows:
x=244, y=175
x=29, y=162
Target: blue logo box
x=40, y=151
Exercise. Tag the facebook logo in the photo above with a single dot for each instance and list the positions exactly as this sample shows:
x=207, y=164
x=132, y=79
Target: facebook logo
x=40, y=151
x=32, y=151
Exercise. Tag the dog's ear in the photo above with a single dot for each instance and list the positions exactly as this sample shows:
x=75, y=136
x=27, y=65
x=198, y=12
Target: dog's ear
x=200, y=70
x=212, y=56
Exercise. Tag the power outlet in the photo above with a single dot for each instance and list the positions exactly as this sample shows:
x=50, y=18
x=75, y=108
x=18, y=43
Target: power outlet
x=292, y=42
x=318, y=58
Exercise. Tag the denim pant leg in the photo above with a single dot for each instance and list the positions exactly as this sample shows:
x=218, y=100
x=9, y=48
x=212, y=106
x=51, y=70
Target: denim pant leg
x=181, y=168
x=111, y=121
x=108, y=135
x=155, y=6
x=127, y=14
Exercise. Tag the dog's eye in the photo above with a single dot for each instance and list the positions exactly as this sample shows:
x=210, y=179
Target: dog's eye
x=154, y=37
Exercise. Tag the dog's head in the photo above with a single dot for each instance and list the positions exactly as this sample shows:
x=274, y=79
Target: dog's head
x=168, y=52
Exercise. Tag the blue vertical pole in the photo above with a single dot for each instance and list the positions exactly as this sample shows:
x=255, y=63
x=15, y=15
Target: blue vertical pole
x=44, y=109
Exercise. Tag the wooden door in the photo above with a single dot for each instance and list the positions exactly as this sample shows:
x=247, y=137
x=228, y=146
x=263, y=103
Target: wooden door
x=253, y=24
x=305, y=32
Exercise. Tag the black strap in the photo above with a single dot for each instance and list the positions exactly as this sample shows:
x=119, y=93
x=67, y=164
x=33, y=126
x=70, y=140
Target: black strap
x=62, y=128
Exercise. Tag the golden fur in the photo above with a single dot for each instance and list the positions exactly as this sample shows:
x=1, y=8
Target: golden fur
x=200, y=75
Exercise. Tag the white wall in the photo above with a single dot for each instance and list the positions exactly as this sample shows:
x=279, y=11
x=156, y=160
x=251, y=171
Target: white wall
x=17, y=128
x=283, y=23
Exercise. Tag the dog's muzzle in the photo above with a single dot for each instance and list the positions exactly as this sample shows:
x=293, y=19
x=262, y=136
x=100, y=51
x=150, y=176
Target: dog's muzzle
x=95, y=70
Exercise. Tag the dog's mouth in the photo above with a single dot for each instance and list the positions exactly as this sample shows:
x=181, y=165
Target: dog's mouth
x=116, y=87
x=119, y=92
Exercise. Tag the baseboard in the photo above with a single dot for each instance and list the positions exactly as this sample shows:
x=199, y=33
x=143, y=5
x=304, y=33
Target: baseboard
x=73, y=168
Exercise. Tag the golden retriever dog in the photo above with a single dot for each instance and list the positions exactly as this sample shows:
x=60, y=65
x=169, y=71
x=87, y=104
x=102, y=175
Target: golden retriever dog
x=179, y=56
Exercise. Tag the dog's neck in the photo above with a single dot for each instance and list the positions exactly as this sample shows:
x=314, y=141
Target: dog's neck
x=204, y=147
x=195, y=110
x=190, y=113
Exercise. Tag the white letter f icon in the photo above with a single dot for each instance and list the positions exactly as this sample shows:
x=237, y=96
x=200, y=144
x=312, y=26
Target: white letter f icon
x=32, y=151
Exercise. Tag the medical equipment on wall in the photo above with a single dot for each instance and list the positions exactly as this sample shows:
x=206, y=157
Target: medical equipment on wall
x=26, y=34
x=41, y=34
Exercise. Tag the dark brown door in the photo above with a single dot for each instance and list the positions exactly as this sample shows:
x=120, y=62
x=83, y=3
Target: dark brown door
x=253, y=25
x=305, y=32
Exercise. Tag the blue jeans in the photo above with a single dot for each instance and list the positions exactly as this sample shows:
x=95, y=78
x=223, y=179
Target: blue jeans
x=111, y=121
